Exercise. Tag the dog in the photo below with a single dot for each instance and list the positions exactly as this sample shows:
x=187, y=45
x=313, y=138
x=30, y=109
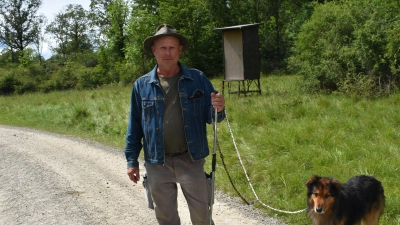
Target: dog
x=330, y=202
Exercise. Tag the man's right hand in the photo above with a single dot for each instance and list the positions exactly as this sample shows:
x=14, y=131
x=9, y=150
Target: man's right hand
x=133, y=174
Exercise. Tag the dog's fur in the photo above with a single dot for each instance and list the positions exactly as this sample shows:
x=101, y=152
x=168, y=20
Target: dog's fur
x=331, y=203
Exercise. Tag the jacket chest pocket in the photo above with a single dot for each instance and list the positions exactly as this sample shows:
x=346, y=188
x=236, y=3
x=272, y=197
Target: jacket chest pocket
x=196, y=100
x=148, y=109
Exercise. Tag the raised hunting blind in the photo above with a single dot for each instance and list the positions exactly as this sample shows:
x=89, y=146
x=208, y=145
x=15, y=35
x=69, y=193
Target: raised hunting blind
x=241, y=58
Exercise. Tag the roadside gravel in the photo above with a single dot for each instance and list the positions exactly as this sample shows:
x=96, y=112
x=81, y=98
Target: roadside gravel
x=48, y=178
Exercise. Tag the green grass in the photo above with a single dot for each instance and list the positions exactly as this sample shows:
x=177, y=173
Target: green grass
x=284, y=136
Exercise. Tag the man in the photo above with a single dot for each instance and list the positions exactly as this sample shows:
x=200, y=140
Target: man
x=170, y=107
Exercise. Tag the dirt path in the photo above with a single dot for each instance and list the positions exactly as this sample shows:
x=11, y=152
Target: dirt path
x=53, y=179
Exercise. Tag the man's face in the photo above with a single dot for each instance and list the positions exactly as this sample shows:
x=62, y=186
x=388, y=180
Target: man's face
x=167, y=50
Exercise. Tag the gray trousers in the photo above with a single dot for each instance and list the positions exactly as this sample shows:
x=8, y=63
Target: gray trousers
x=162, y=181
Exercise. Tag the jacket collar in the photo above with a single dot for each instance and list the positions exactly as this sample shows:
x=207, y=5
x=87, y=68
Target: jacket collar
x=184, y=71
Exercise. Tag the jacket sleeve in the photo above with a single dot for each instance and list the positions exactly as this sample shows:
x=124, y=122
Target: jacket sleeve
x=134, y=134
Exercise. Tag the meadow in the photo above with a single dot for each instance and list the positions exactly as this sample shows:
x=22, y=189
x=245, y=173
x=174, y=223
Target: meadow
x=283, y=137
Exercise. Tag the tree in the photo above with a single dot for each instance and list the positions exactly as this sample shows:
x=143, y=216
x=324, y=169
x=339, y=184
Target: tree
x=99, y=14
x=70, y=29
x=18, y=23
x=142, y=23
x=111, y=18
x=118, y=16
x=40, y=36
x=99, y=20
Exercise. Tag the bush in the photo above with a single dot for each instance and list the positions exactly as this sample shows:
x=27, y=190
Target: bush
x=25, y=87
x=349, y=43
x=129, y=73
x=63, y=79
x=8, y=84
x=92, y=78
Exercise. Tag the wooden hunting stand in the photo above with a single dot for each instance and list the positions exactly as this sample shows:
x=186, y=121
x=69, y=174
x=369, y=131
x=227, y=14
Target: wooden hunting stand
x=241, y=58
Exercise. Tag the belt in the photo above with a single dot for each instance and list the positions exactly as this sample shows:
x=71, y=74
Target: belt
x=175, y=154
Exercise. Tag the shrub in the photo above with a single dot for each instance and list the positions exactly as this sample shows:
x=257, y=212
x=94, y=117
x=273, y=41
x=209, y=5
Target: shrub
x=63, y=79
x=8, y=84
x=346, y=44
x=92, y=78
x=128, y=73
x=25, y=87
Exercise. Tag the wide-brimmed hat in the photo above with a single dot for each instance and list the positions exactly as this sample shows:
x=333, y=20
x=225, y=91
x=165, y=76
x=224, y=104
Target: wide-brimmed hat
x=165, y=30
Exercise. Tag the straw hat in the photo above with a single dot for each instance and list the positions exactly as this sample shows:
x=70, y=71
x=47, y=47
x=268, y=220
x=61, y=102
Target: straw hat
x=165, y=30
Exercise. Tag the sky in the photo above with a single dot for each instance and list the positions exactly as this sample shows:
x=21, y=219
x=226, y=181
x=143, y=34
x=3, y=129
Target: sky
x=50, y=8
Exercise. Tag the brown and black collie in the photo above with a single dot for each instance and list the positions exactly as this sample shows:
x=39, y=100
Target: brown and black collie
x=333, y=203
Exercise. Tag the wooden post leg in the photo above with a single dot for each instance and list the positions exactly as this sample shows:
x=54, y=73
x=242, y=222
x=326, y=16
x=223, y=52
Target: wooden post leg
x=229, y=88
x=239, y=88
x=244, y=88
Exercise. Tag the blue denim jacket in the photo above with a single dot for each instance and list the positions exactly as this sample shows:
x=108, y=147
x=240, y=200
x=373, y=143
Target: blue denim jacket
x=145, y=125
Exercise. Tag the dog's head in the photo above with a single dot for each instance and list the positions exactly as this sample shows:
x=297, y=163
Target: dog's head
x=321, y=193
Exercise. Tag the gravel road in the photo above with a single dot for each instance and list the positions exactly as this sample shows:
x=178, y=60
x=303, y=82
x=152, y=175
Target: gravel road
x=48, y=178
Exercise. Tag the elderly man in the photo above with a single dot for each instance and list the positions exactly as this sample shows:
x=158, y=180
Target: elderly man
x=170, y=107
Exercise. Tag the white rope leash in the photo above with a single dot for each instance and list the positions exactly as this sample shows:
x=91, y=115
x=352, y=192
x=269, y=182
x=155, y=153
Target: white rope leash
x=247, y=177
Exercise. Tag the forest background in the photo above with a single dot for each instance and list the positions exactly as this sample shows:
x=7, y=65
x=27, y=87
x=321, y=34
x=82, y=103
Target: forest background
x=340, y=46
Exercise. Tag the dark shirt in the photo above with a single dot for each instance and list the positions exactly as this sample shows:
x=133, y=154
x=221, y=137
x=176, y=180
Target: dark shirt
x=174, y=133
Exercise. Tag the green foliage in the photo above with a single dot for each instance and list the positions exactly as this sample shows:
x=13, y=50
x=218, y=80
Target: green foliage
x=338, y=46
x=62, y=79
x=91, y=78
x=8, y=84
x=97, y=77
x=5, y=58
x=344, y=47
x=126, y=73
x=80, y=71
x=117, y=15
x=392, y=48
x=20, y=80
x=26, y=57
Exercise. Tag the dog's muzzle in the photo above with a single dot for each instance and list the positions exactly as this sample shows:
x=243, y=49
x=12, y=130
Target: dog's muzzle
x=319, y=210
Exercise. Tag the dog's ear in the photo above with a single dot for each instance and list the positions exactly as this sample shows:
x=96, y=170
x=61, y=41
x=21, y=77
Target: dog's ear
x=336, y=184
x=312, y=180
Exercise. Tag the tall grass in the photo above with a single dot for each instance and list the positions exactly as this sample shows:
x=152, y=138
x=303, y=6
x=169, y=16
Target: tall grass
x=99, y=114
x=284, y=136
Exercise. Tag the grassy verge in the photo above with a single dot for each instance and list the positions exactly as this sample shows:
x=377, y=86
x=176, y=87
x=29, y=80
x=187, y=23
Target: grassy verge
x=284, y=136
